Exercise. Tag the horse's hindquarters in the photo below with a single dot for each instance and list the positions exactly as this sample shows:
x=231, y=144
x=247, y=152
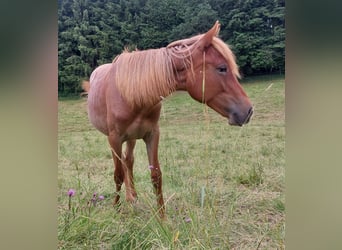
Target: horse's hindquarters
x=97, y=107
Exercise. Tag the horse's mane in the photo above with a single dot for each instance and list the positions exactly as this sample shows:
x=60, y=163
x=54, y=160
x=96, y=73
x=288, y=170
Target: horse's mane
x=145, y=77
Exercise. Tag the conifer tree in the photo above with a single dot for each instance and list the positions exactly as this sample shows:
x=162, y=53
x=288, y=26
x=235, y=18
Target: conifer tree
x=93, y=32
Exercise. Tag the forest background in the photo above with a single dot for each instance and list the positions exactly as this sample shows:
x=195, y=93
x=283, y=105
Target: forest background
x=93, y=32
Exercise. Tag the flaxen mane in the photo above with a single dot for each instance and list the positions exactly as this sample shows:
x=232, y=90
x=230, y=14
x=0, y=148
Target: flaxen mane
x=145, y=77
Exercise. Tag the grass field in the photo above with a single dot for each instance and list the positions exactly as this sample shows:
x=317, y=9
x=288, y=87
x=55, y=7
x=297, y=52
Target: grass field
x=223, y=185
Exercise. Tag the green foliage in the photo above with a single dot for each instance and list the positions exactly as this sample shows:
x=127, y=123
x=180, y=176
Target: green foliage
x=94, y=32
x=252, y=178
x=258, y=35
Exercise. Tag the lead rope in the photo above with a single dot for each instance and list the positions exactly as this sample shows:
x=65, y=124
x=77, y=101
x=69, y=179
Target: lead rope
x=205, y=112
x=203, y=77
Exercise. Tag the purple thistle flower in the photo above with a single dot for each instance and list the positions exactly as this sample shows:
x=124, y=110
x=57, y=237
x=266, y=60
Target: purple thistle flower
x=150, y=167
x=187, y=220
x=101, y=197
x=94, y=195
x=71, y=192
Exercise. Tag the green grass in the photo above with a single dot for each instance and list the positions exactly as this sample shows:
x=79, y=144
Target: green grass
x=224, y=185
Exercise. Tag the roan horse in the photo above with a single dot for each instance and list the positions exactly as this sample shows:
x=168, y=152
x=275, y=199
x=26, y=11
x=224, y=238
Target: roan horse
x=124, y=98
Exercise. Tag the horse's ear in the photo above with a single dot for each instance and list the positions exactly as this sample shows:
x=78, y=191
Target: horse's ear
x=207, y=38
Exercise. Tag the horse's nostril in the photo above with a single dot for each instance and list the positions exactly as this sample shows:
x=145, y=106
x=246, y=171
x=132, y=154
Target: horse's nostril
x=250, y=111
x=249, y=115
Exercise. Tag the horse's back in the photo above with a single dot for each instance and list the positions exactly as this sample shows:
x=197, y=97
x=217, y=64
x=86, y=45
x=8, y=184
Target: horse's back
x=97, y=107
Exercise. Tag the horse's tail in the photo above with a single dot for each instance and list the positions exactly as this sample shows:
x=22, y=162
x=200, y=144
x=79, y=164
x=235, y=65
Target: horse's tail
x=85, y=87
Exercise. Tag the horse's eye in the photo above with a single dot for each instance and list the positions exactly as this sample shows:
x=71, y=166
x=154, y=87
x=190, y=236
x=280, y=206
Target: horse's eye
x=222, y=69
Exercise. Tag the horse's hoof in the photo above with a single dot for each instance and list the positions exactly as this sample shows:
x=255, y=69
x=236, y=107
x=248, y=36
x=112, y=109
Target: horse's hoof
x=132, y=200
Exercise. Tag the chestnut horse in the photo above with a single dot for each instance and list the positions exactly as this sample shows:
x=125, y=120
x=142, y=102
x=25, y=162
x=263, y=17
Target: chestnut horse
x=124, y=98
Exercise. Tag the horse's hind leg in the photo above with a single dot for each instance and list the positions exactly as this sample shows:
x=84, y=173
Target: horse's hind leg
x=152, y=141
x=131, y=194
x=119, y=174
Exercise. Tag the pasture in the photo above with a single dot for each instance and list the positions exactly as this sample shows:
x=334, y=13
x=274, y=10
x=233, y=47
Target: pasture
x=223, y=185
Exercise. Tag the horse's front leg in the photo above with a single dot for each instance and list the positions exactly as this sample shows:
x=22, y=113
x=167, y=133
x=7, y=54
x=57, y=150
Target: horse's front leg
x=131, y=194
x=152, y=141
x=119, y=174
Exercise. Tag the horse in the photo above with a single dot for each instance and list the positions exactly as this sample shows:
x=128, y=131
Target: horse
x=124, y=98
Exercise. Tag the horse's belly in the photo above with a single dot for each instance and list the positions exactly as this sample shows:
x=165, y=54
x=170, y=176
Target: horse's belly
x=98, y=120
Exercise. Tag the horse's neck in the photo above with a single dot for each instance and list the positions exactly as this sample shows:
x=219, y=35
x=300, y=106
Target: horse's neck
x=181, y=64
x=181, y=85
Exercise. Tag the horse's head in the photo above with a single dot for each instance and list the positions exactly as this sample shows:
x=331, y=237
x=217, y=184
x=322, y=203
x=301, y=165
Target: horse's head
x=213, y=77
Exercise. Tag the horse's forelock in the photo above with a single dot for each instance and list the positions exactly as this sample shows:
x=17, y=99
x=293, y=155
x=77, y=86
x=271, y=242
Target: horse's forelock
x=184, y=45
x=228, y=55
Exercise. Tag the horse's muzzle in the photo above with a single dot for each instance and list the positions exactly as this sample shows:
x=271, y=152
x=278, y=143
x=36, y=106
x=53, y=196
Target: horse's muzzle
x=238, y=119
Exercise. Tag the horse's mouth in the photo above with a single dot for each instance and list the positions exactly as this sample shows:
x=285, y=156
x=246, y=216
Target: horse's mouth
x=236, y=119
x=233, y=123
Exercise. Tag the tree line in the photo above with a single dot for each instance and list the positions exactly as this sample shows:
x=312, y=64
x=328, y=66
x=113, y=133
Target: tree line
x=93, y=32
